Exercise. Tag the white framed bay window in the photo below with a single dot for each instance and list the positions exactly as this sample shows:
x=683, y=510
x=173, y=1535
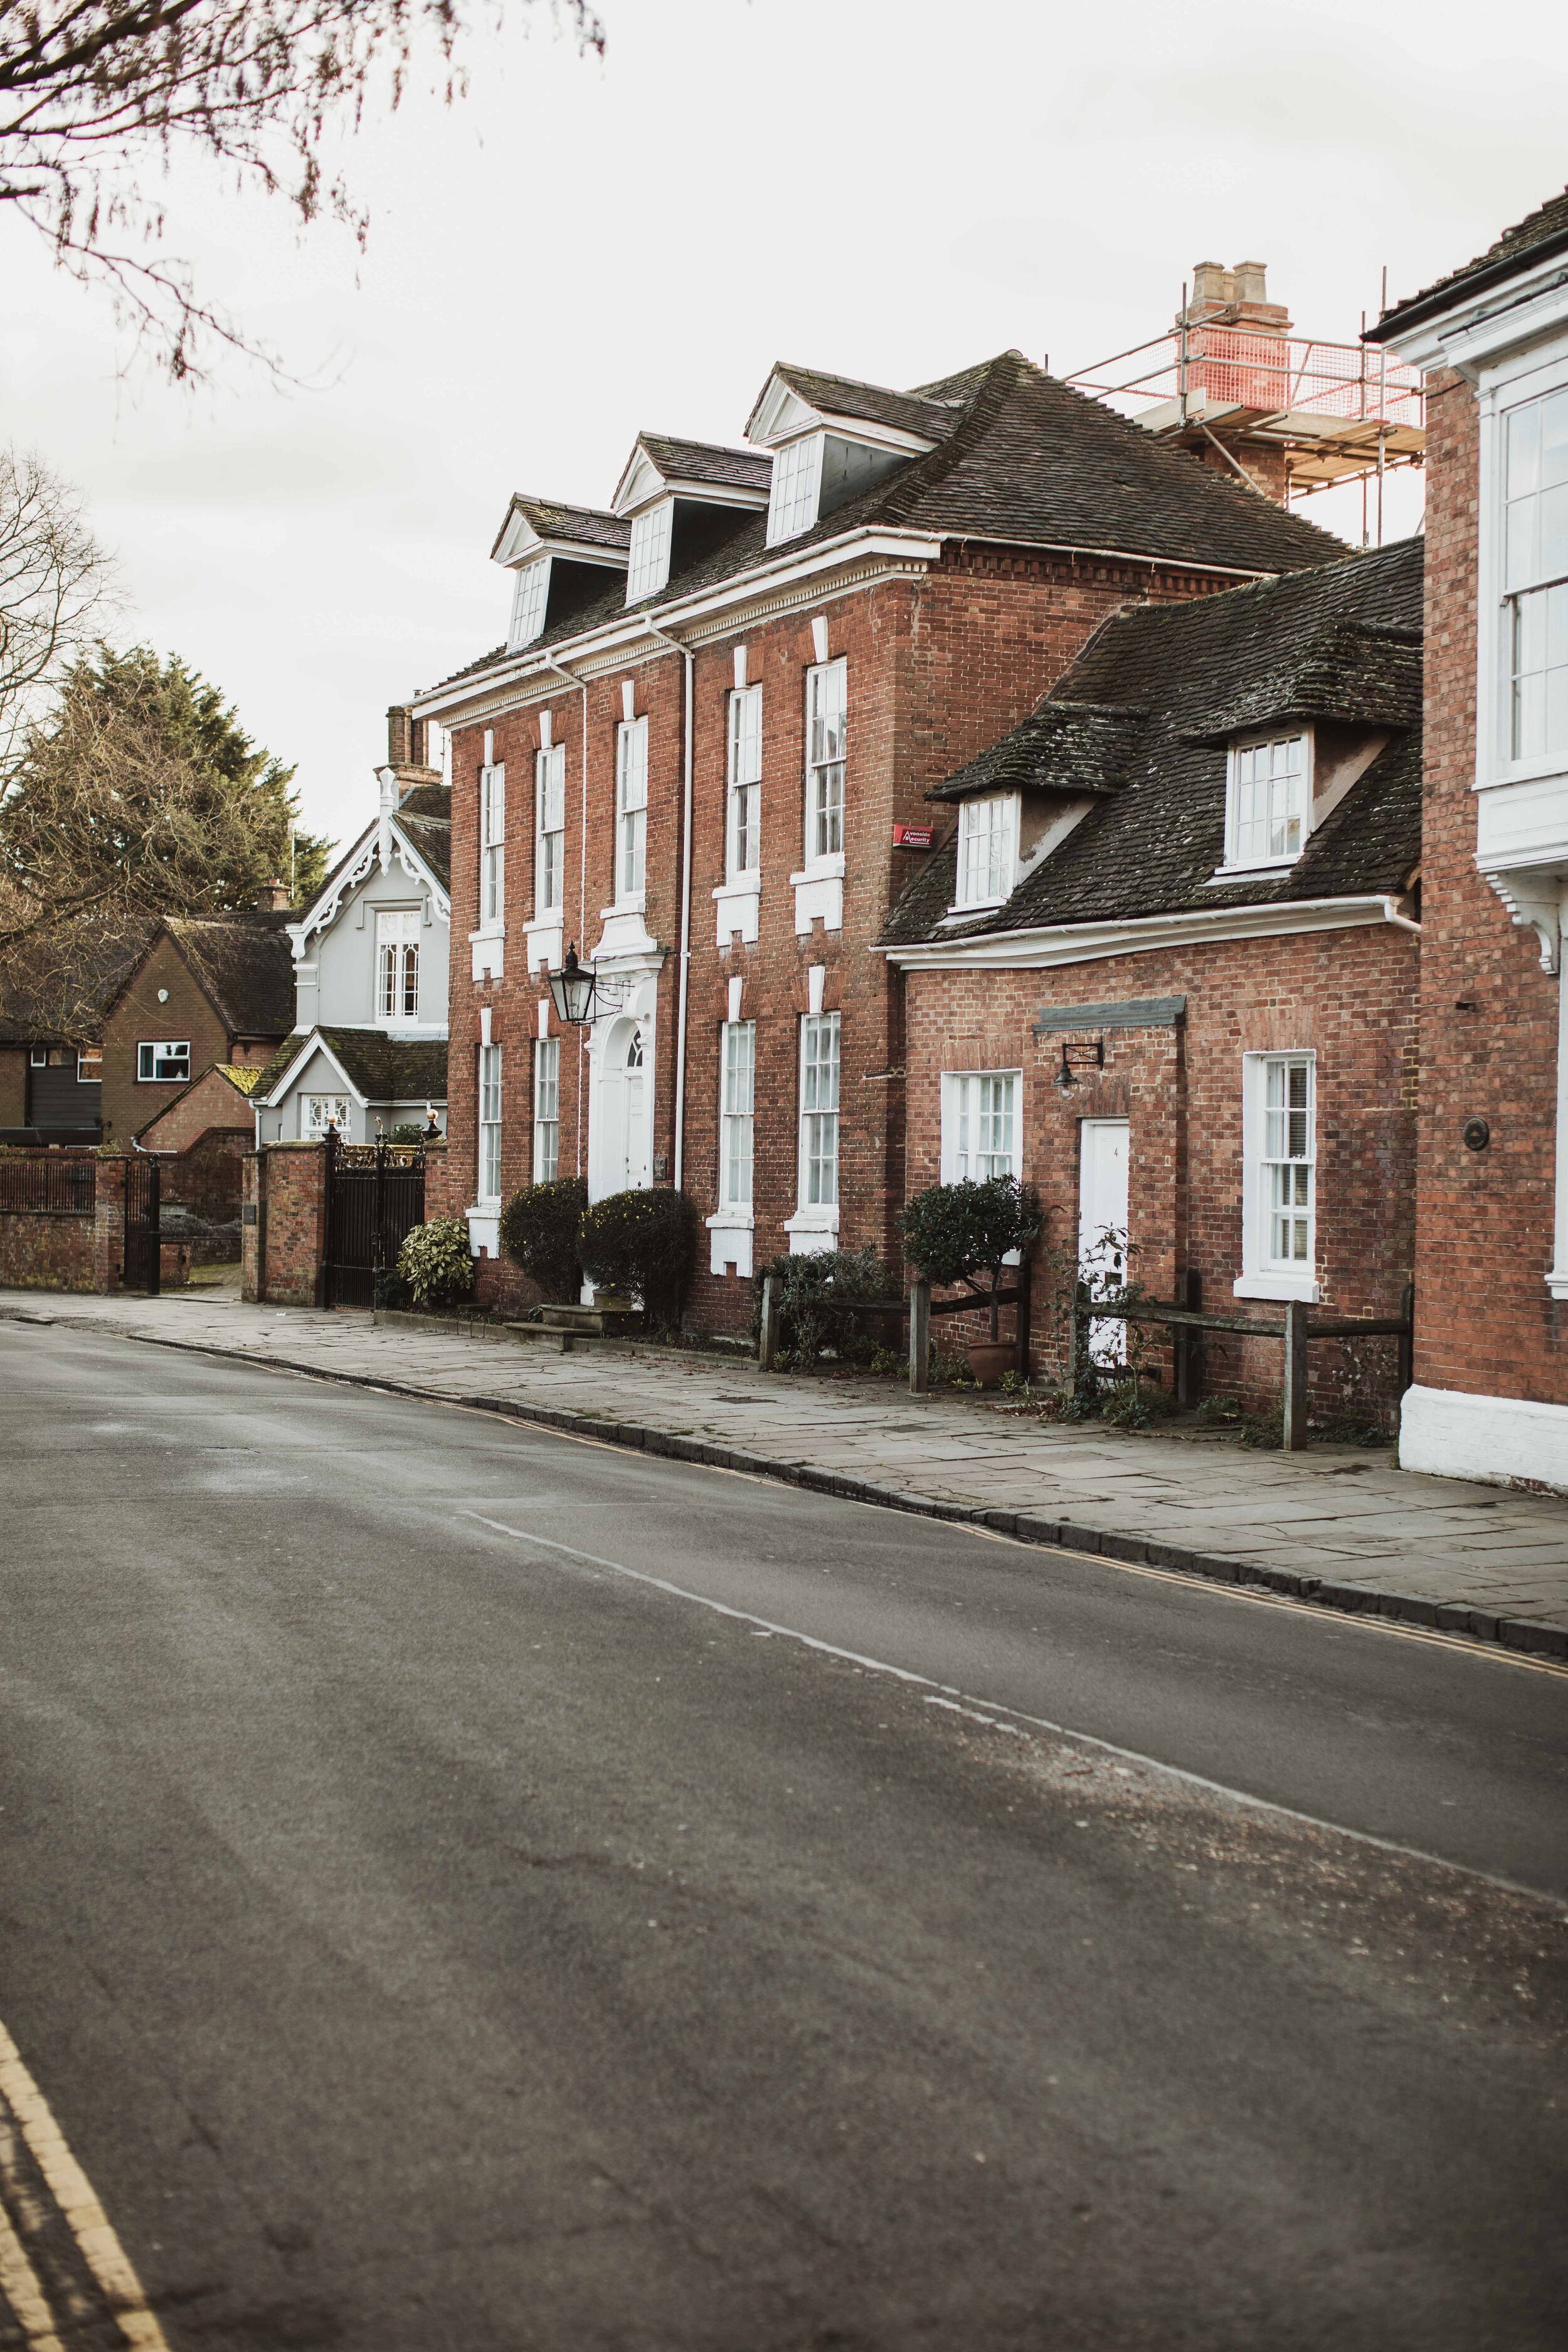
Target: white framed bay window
x=980, y=1136
x=988, y=849
x=631, y=808
x=1534, y=458
x=490, y=1126
x=549, y=828
x=1280, y=1177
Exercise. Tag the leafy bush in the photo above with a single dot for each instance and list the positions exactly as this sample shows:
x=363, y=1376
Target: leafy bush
x=407, y=1130
x=645, y=1242
x=539, y=1233
x=436, y=1262
x=955, y=1231
x=815, y=1292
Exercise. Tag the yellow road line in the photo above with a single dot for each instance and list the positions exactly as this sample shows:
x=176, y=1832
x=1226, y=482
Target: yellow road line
x=21, y=2291
x=84, y=2217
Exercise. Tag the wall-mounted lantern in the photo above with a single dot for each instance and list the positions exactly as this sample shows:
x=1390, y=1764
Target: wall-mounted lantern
x=572, y=991
x=1085, y=1056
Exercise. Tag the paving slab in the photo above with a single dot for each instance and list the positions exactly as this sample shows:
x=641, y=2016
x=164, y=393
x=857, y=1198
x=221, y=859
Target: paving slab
x=1331, y=1524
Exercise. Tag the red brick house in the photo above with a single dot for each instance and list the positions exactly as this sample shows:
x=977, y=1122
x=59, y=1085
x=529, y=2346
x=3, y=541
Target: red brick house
x=1490, y=1398
x=1164, y=961
x=702, y=757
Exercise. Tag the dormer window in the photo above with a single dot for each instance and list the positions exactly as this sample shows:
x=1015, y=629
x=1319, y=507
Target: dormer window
x=1269, y=802
x=530, y=597
x=796, y=485
x=648, y=569
x=988, y=849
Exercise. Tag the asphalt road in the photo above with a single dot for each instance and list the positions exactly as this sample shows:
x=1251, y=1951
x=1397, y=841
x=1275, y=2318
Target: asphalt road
x=462, y=1887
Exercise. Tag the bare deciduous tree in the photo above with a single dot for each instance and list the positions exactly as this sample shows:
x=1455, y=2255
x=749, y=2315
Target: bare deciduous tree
x=96, y=94
x=55, y=585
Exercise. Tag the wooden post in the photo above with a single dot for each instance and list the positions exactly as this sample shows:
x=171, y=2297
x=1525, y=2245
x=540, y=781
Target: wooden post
x=1024, y=1312
x=1075, y=1341
x=1294, y=1413
x=919, y=1337
x=1189, y=1374
x=768, y=1336
x=1406, y=1367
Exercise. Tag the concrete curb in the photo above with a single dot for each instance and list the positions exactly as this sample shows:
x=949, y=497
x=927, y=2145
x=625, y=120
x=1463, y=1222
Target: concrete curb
x=1051, y=1534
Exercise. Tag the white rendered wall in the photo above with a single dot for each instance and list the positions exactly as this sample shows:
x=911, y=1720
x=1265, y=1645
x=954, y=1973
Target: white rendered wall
x=1498, y=1440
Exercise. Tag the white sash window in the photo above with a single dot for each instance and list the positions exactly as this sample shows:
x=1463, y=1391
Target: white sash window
x=1266, y=805
x=546, y=1110
x=490, y=1123
x=1280, y=1177
x=549, y=828
x=819, y=1110
x=827, y=703
x=631, y=806
x=1535, y=465
x=988, y=849
x=397, y=963
x=529, y=599
x=795, y=488
x=979, y=1125
x=492, y=855
x=740, y=1065
x=744, y=848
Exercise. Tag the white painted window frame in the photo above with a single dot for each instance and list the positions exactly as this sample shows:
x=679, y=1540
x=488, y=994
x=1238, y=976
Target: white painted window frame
x=338, y=1107
x=647, y=555
x=492, y=847
x=964, y=1094
x=530, y=602
x=795, y=488
x=989, y=823
x=743, y=853
x=1511, y=386
x=548, y=830
x=1235, y=861
x=546, y=1109
x=737, y=1115
x=151, y=1051
x=397, y=932
x=1262, y=1276
x=819, y=1119
x=631, y=813
x=827, y=683
x=488, y=1104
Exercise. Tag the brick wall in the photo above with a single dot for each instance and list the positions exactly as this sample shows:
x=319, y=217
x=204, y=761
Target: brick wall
x=937, y=668
x=283, y=1250
x=1485, y=1320
x=128, y=1102
x=48, y=1249
x=1349, y=995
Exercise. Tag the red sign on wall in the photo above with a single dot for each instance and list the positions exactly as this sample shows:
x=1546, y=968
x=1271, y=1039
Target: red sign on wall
x=913, y=836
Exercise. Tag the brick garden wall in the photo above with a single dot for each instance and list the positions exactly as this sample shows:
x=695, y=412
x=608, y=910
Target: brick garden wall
x=1485, y=1320
x=1349, y=995
x=47, y=1249
x=281, y=1250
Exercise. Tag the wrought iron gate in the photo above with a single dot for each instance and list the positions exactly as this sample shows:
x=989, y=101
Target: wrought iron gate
x=375, y=1194
x=140, y=1264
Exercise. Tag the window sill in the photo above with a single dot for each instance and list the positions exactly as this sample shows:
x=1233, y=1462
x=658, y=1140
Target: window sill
x=822, y=869
x=633, y=903
x=742, y=886
x=1280, y=1286
x=957, y=914
x=1224, y=876
x=1557, y=1284
x=547, y=918
x=487, y=932
x=736, y=1219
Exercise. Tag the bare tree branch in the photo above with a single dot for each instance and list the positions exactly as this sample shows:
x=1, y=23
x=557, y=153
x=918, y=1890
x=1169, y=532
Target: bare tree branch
x=93, y=92
x=55, y=585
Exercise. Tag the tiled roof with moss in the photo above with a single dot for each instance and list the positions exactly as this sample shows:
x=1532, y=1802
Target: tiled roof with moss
x=1533, y=239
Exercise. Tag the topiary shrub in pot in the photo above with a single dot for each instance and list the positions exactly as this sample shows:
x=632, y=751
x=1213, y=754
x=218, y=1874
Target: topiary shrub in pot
x=539, y=1233
x=956, y=1233
x=817, y=1294
x=436, y=1262
x=644, y=1243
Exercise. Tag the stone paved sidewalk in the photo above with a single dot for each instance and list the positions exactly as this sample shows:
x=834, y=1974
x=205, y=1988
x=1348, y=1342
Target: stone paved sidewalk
x=1339, y=1524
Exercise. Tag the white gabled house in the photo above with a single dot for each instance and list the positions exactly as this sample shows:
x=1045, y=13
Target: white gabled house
x=368, y=1049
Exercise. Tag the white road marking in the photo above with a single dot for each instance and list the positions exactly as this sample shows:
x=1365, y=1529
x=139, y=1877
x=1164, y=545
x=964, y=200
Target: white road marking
x=968, y=1699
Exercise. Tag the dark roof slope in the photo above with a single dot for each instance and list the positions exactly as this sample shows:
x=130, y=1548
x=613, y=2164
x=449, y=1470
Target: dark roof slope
x=589, y=526
x=244, y=964
x=428, y=800
x=929, y=414
x=1028, y=462
x=1151, y=844
x=1071, y=747
x=390, y=1069
x=1535, y=238
x=706, y=461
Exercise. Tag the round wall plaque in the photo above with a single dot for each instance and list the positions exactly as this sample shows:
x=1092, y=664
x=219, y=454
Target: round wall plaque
x=1477, y=1134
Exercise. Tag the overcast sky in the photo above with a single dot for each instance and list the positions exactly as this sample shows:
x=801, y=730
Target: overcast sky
x=582, y=248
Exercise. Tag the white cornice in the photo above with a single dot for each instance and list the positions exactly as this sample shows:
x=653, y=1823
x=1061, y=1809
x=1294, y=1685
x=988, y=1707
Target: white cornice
x=325, y=907
x=1486, y=326
x=1047, y=948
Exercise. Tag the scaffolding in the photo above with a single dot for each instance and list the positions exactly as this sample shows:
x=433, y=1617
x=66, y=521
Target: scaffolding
x=1327, y=413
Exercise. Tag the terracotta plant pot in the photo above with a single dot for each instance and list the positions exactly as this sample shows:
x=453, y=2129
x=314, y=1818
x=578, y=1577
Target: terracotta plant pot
x=989, y=1358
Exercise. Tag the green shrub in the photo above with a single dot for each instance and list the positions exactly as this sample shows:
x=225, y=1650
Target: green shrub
x=539, y=1233
x=815, y=1292
x=436, y=1262
x=645, y=1242
x=407, y=1130
x=955, y=1231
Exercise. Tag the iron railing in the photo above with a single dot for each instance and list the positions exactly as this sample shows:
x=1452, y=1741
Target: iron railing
x=44, y=1184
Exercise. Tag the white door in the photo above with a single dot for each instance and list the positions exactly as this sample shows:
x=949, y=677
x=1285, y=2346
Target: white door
x=622, y=1157
x=1103, y=1222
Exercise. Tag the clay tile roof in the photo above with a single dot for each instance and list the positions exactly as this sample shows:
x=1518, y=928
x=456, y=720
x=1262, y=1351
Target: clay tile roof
x=244, y=964
x=589, y=526
x=1536, y=238
x=431, y=835
x=1023, y=460
x=840, y=395
x=706, y=461
x=1150, y=845
x=1067, y=747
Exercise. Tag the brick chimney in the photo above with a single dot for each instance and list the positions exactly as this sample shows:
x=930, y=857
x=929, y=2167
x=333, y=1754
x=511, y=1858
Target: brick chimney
x=1234, y=298
x=407, y=746
x=273, y=897
x=1232, y=365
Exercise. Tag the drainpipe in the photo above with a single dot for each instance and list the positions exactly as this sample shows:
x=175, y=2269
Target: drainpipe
x=688, y=697
x=575, y=684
